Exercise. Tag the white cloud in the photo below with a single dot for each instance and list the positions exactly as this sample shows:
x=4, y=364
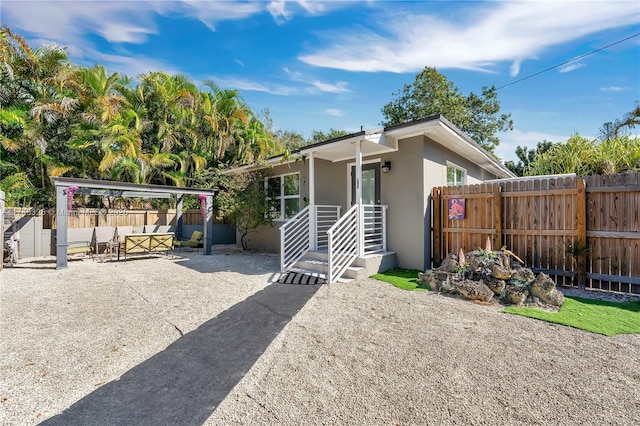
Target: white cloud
x=338, y=87
x=124, y=33
x=499, y=32
x=515, y=68
x=509, y=141
x=212, y=12
x=242, y=84
x=68, y=22
x=284, y=9
x=129, y=65
x=333, y=112
x=239, y=62
x=317, y=85
x=613, y=89
x=570, y=67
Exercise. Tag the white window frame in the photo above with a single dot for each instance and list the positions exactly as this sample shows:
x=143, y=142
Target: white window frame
x=282, y=197
x=455, y=167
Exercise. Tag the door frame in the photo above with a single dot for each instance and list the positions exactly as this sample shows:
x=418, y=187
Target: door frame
x=350, y=190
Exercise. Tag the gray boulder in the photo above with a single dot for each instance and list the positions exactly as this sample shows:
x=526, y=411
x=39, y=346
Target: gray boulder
x=522, y=274
x=516, y=295
x=545, y=289
x=474, y=290
x=495, y=284
x=450, y=264
x=500, y=272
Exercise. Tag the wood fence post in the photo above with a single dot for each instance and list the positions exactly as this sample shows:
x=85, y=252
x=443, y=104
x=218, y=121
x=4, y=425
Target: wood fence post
x=437, y=226
x=581, y=196
x=497, y=216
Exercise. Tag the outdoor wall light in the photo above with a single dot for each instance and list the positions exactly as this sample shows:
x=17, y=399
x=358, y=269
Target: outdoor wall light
x=386, y=167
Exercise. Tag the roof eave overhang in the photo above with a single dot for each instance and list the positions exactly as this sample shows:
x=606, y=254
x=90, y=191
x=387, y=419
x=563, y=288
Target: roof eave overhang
x=271, y=162
x=446, y=134
x=375, y=143
x=93, y=186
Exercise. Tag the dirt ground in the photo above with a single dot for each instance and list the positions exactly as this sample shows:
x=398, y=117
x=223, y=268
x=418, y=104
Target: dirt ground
x=357, y=353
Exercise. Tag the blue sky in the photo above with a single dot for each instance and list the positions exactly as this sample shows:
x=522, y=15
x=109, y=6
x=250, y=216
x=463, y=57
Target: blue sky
x=323, y=64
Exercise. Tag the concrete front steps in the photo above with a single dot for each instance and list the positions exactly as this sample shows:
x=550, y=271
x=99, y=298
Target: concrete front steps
x=315, y=264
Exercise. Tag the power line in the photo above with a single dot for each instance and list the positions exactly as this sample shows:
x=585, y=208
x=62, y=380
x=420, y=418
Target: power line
x=569, y=61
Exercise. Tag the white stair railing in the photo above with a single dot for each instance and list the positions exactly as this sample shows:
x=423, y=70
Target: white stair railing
x=343, y=243
x=326, y=217
x=294, y=239
x=375, y=228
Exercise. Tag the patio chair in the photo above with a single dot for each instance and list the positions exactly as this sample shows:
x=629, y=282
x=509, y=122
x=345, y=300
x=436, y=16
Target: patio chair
x=102, y=236
x=192, y=242
x=79, y=241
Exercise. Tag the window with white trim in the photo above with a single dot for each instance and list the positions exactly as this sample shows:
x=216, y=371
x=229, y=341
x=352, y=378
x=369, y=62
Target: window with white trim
x=283, y=193
x=455, y=175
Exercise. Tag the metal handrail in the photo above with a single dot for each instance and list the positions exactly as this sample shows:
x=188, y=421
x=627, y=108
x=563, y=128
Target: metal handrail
x=294, y=239
x=342, y=243
x=326, y=216
x=375, y=228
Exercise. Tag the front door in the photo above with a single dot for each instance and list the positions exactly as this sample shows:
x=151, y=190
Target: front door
x=370, y=184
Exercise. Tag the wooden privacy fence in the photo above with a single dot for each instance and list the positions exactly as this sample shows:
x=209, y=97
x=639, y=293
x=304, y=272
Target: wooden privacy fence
x=580, y=231
x=89, y=218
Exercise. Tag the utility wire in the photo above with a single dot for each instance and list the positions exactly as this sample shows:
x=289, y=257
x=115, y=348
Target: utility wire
x=569, y=61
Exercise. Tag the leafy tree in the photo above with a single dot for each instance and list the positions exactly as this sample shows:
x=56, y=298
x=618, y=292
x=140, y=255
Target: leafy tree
x=243, y=202
x=283, y=140
x=527, y=156
x=57, y=118
x=612, y=129
x=320, y=136
x=630, y=119
x=432, y=93
x=289, y=139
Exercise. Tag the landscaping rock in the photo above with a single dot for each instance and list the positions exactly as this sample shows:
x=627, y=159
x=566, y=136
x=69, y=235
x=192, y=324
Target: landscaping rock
x=515, y=295
x=474, y=290
x=426, y=277
x=495, y=284
x=475, y=263
x=435, y=279
x=450, y=264
x=500, y=272
x=449, y=286
x=504, y=260
x=545, y=289
x=488, y=273
x=522, y=274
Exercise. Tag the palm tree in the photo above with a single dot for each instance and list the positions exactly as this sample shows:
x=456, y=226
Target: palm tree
x=227, y=115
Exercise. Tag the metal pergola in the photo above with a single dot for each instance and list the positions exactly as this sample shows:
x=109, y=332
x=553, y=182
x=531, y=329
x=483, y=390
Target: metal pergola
x=123, y=189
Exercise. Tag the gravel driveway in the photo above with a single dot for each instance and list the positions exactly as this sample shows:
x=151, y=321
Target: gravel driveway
x=357, y=353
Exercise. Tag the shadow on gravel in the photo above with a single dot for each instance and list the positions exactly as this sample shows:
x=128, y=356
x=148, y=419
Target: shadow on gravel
x=183, y=384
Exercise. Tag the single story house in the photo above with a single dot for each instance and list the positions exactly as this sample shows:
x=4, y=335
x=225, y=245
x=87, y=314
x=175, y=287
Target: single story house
x=359, y=204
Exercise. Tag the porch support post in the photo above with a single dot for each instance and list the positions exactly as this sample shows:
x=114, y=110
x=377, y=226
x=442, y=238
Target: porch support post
x=207, y=236
x=61, y=227
x=179, y=216
x=313, y=235
x=359, y=199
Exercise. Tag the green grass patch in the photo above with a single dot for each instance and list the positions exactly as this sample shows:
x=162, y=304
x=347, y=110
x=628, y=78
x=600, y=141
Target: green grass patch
x=406, y=279
x=596, y=316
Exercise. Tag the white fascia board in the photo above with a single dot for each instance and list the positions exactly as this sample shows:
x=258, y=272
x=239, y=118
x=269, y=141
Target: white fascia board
x=414, y=130
x=318, y=148
x=66, y=182
x=492, y=162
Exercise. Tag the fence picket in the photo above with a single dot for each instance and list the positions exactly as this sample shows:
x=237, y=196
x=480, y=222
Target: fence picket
x=537, y=218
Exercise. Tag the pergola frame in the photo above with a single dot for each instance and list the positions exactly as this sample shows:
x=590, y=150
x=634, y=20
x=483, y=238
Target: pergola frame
x=123, y=189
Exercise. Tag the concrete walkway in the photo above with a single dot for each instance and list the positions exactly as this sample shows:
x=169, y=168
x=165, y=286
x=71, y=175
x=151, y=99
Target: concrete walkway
x=186, y=382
